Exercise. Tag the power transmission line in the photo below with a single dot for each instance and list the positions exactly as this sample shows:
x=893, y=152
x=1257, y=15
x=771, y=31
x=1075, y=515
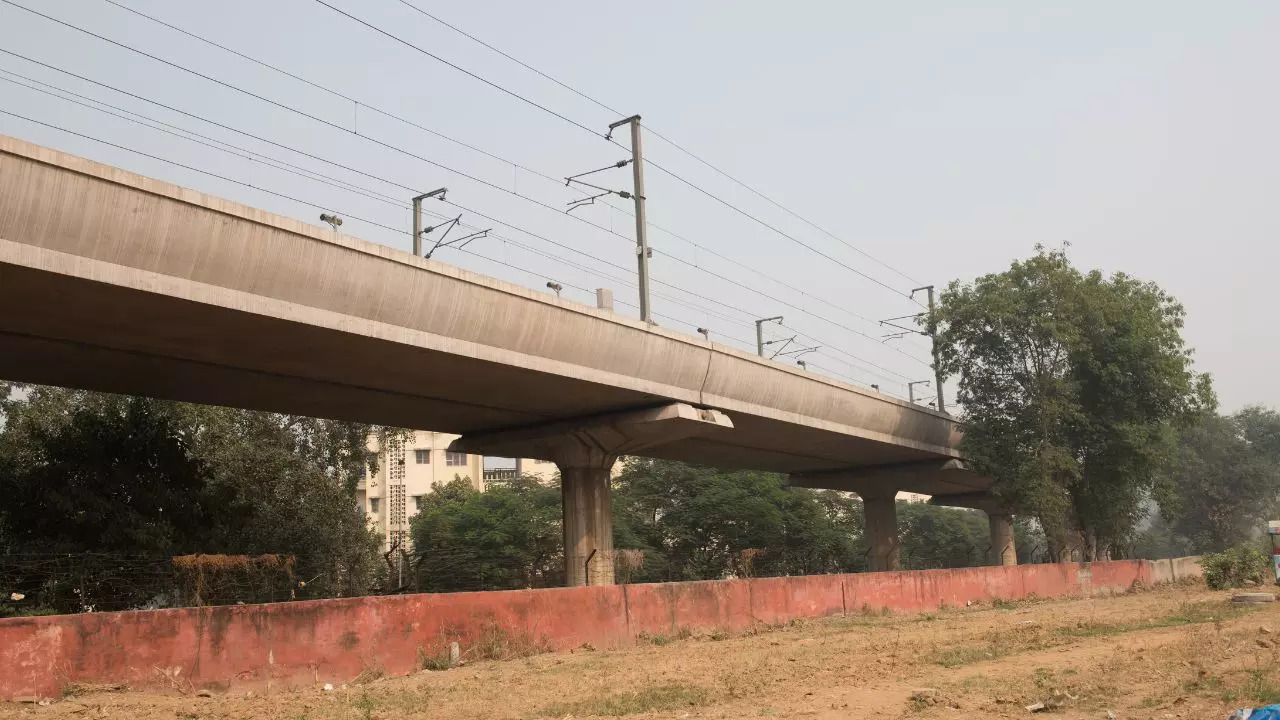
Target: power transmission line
x=271, y=192
x=302, y=172
x=459, y=68
x=249, y=185
x=661, y=137
x=450, y=139
x=371, y=139
x=329, y=124
x=577, y=124
x=512, y=163
x=478, y=213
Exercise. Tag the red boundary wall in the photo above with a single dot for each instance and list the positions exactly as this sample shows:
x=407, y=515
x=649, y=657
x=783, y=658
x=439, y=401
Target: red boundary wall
x=301, y=643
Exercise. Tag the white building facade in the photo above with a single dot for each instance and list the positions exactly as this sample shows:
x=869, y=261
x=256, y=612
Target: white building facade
x=407, y=468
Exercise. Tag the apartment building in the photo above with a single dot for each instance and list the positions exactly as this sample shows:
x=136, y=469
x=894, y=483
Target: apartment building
x=407, y=468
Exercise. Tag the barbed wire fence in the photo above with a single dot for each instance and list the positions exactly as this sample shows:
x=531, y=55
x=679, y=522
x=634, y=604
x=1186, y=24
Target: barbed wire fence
x=68, y=583
x=60, y=583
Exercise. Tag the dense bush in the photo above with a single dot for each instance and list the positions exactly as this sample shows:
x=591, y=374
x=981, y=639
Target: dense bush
x=1235, y=567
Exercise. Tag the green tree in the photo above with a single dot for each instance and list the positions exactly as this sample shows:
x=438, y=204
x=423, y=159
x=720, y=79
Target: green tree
x=98, y=472
x=1071, y=386
x=1156, y=538
x=134, y=477
x=506, y=537
x=286, y=484
x=1260, y=428
x=700, y=523
x=942, y=537
x=1223, y=483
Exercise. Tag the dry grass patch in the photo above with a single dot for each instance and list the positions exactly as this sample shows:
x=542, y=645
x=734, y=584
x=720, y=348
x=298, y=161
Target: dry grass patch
x=662, y=698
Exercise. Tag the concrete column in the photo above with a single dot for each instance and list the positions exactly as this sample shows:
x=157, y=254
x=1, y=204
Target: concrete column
x=588, y=524
x=1003, y=551
x=881, y=511
x=585, y=450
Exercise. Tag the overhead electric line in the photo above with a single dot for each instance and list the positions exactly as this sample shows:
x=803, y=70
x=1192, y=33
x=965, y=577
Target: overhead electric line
x=655, y=165
x=268, y=191
x=218, y=176
x=661, y=137
x=398, y=184
x=333, y=182
x=458, y=142
x=459, y=68
x=341, y=128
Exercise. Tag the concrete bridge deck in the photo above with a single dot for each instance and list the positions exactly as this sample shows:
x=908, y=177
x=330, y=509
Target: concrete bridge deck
x=116, y=282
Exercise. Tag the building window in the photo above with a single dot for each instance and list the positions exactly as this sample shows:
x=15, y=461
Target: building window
x=418, y=501
x=422, y=457
x=373, y=505
x=454, y=458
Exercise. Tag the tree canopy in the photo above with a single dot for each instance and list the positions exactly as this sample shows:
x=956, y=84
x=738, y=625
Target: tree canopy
x=1222, y=484
x=1073, y=387
x=697, y=523
x=508, y=536
x=673, y=521
x=131, y=479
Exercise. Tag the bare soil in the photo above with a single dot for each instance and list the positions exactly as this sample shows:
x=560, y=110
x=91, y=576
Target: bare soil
x=1176, y=652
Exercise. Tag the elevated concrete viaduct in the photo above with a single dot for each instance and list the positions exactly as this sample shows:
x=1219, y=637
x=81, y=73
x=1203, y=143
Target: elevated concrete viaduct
x=115, y=282
x=1000, y=518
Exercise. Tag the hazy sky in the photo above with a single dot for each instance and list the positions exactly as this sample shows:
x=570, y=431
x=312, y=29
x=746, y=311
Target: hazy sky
x=944, y=142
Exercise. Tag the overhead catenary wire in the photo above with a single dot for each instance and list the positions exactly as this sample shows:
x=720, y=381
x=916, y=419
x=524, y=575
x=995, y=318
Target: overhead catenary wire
x=202, y=171
x=375, y=140
x=624, y=281
x=662, y=316
x=459, y=68
x=853, y=361
x=259, y=188
x=195, y=137
x=302, y=113
x=670, y=173
x=320, y=206
x=661, y=137
x=440, y=165
x=328, y=180
x=363, y=103
x=320, y=159
x=410, y=188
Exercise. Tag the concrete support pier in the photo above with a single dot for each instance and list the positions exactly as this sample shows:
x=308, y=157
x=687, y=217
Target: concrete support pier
x=881, y=511
x=878, y=487
x=585, y=451
x=1003, y=550
x=588, y=524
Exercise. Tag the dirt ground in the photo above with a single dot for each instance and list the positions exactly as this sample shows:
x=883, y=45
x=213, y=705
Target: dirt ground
x=1176, y=652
